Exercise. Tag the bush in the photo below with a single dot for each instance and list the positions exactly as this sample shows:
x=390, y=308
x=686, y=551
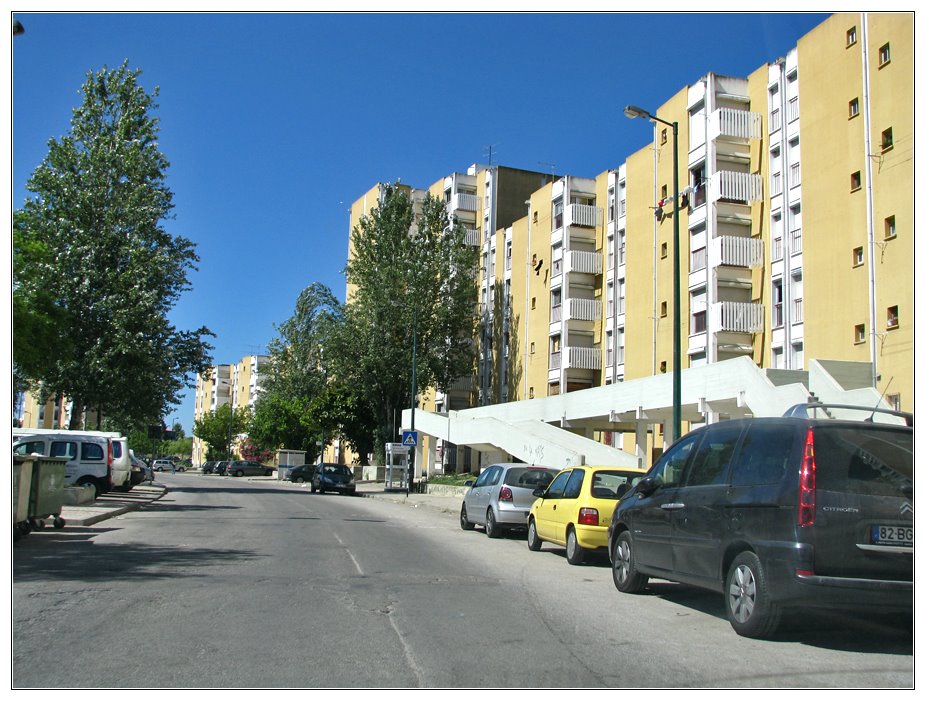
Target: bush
x=456, y=480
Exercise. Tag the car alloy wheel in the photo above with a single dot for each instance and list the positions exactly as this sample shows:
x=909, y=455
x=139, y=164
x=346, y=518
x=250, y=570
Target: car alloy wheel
x=465, y=523
x=493, y=530
x=575, y=555
x=533, y=540
x=749, y=607
x=623, y=570
x=299, y=480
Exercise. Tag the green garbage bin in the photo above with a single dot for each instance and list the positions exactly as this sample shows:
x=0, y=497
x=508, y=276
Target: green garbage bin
x=22, y=488
x=47, y=495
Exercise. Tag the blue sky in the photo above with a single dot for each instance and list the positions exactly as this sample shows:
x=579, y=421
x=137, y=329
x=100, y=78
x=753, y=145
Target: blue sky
x=274, y=123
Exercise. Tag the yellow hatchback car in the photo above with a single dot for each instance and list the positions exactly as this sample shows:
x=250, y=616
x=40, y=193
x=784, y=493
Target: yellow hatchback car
x=575, y=509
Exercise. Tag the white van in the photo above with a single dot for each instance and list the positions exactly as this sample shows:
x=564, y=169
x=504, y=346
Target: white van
x=97, y=458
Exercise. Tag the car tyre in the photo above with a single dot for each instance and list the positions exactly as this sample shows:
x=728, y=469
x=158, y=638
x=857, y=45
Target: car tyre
x=624, y=569
x=533, y=540
x=89, y=482
x=465, y=523
x=575, y=555
x=299, y=480
x=493, y=530
x=750, y=610
x=239, y=473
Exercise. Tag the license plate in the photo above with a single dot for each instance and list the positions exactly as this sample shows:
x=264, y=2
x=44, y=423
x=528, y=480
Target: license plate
x=892, y=535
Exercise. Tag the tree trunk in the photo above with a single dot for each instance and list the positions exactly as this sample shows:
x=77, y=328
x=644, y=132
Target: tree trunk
x=77, y=411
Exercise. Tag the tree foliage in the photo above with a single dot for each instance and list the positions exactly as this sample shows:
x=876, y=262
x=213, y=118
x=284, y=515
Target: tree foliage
x=219, y=429
x=96, y=274
x=414, y=295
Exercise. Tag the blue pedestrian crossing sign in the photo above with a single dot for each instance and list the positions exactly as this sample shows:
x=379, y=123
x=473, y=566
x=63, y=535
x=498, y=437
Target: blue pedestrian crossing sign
x=410, y=438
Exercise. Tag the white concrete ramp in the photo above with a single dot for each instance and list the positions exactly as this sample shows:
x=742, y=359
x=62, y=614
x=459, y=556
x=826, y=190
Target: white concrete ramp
x=558, y=430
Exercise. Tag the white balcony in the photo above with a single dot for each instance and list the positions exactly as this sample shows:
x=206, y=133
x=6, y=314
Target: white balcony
x=583, y=262
x=583, y=215
x=466, y=202
x=735, y=124
x=742, y=317
x=584, y=309
x=472, y=237
x=583, y=358
x=736, y=187
x=739, y=251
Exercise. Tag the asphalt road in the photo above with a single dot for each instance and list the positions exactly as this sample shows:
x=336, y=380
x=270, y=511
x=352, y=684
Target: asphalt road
x=232, y=584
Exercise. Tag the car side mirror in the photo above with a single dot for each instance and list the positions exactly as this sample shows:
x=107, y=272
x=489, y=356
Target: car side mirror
x=646, y=486
x=539, y=492
x=469, y=483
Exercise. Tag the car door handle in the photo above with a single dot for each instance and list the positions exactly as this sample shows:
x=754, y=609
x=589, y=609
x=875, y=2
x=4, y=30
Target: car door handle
x=673, y=506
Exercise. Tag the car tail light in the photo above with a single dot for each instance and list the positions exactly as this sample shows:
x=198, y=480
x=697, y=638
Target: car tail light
x=505, y=494
x=588, y=517
x=109, y=462
x=807, y=493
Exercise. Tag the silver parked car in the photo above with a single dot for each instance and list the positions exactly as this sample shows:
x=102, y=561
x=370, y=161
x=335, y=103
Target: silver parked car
x=502, y=497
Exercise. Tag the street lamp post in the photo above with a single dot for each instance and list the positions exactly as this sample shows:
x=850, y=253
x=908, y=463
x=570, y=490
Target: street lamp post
x=631, y=111
x=411, y=459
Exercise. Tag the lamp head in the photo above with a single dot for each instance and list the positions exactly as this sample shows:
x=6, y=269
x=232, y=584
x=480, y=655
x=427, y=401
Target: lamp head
x=632, y=111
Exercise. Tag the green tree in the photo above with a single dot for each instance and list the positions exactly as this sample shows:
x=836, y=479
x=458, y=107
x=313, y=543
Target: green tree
x=414, y=294
x=219, y=429
x=96, y=274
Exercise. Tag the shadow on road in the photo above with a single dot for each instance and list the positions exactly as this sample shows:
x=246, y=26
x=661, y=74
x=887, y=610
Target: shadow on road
x=62, y=556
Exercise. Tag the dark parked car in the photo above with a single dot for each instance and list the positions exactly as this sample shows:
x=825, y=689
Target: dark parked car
x=333, y=478
x=777, y=513
x=220, y=467
x=208, y=467
x=240, y=468
x=302, y=473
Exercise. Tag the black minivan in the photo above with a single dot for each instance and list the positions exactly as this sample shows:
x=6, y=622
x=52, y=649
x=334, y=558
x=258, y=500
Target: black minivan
x=776, y=513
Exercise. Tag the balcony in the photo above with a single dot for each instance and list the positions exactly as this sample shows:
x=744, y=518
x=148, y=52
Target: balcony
x=797, y=241
x=583, y=215
x=583, y=262
x=583, y=358
x=731, y=123
x=740, y=317
x=584, y=309
x=738, y=251
x=736, y=187
x=472, y=237
x=466, y=202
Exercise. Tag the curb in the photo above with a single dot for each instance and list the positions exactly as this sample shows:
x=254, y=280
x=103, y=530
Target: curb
x=71, y=514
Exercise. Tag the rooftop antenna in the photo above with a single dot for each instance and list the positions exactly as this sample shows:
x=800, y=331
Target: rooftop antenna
x=552, y=167
x=489, y=150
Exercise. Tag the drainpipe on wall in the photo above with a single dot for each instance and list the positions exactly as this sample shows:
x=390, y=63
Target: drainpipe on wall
x=869, y=207
x=527, y=298
x=655, y=243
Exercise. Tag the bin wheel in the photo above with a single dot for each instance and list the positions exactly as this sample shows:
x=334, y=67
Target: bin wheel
x=37, y=524
x=24, y=527
x=58, y=523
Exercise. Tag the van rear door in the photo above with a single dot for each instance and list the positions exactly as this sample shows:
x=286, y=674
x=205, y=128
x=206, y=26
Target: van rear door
x=864, y=501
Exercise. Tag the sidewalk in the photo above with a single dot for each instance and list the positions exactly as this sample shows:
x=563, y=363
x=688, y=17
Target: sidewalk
x=111, y=504
x=117, y=503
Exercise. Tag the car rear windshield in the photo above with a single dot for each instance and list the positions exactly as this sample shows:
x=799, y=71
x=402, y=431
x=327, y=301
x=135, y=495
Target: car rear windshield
x=532, y=478
x=613, y=484
x=870, y=460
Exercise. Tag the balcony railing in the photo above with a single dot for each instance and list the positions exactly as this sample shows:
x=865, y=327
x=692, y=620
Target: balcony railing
x=774, y=121
x=584, y=309
x=797, y=241
x=556, y=360
x=740, y=251
x=466, y=202
x=777, y=249
x=743, y=317
x=583, y=215
x=775, y=184
x=584, y=262
x=472, y=237
x=797, y=311
x=738, y=187
x=698, y=259
x=736, y=124
x=794, y=109
x=583, y=358
x=556, y=314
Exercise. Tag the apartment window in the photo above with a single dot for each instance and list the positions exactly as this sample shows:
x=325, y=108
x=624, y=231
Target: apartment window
x=855, y=181
x=533, y=347
x=853, y=108
x=664, y=253
x=893, y=320
x=860, y=333
x=557, y=214
x=884, y=55
x=533, y=302
x=664, y=309
x=664, y=137
x=662, y=367
x=858, y=257
x=699, y=322
x=665, y=191
x=850, y=37
x=893, y=401
x=530, y=393
x=777, y=304
x=887, y=139
x=535, y=216
x=890, y=227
